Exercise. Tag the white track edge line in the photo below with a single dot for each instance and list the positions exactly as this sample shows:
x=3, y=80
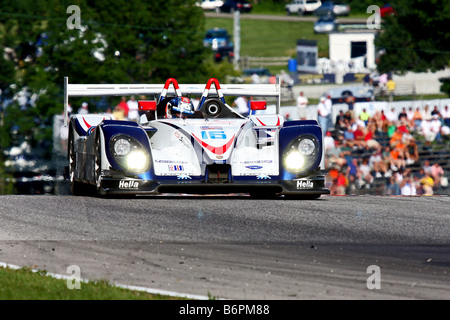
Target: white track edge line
x=123, y=286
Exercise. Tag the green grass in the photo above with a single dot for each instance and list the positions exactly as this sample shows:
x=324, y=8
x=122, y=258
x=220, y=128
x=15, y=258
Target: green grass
x=23, y=284
x=264, y=38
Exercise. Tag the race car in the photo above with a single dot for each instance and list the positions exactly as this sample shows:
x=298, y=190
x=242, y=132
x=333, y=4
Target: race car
x=207, y=148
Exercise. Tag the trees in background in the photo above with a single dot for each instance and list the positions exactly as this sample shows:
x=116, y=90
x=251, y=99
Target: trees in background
x=116, y=42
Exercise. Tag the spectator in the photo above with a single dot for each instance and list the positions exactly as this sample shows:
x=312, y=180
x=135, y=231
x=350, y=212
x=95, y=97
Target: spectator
x=391, y=115
x=435, y=112
x=328, y=141
x=350, y=100
x=242, y=105
x=364, y=116
x=352, y=187
x=410, y=117
x=382, y=80
x=427, y=184
x=84, y=108
x=446, y=116
x=329, y=106
x=417, y=118
x=392, y=187
x=412, y=152
x=256, y=78
x=426, y=167
x=403, y=115
x=426, y=130
x=390, y=86
x=407, y=186
x=340, y=121
x=133, y=109
x=302, y=103
x=365, y=169
x=323, y=115
x=124, y=106
x=426, y=113
x=436, y=173
x=378, y=163
x=435, y=126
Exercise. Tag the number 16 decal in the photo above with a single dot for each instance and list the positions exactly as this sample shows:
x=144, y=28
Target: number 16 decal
x=217, y=135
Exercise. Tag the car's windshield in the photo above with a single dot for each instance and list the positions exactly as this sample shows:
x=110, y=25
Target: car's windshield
x=217, y=34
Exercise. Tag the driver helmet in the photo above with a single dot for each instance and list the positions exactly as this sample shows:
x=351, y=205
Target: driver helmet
x=179, y=106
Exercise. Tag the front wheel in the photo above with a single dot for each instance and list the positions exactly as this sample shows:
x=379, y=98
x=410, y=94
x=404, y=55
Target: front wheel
x=98, y=164
x=75, y=186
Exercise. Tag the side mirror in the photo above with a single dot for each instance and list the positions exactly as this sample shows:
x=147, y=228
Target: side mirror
x=147, y=105
x=258, y=105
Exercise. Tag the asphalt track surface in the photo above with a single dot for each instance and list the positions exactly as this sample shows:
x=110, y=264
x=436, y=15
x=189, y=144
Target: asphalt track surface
x=235, y=247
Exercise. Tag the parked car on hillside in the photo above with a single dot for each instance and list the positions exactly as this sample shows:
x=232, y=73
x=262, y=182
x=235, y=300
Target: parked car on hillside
x=387, y=10
x=340, y=94
x=235, y=5
x=333, y=7
x=210, y=4
x=302, y=7
x=326, y=24
x=218, y=40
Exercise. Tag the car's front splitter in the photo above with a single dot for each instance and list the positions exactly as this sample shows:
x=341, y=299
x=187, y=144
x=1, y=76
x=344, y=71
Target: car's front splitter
x=308, y=185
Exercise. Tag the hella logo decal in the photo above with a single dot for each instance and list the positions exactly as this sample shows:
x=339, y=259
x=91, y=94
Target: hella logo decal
x=128, y=184
x=305, y=184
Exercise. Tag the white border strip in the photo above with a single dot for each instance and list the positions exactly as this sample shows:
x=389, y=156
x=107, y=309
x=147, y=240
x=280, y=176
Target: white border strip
x=123, y=286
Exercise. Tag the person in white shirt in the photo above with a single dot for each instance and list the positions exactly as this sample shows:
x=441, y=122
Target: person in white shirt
x=133, y=111
x=302, y=103
x=391, y=115
x=323, y=113
x=84, y=108
x=426, y=113
x=242, y=105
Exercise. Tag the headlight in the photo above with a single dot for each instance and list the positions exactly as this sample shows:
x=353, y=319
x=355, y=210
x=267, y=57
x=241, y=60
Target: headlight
x=306, y=147
x=301, y=154
x=137, y=161
x=129, y=154
x=294, y=161
x=122, y=147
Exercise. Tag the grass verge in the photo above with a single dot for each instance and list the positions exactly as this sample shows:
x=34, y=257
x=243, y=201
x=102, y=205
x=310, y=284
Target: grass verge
x=271, y=38
x=24, y=284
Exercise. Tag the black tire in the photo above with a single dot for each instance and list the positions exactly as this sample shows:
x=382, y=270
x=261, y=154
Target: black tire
x=75, y=186
x=97, y=163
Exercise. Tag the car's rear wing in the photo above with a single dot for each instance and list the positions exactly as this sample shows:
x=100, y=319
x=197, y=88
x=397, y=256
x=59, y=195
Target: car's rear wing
x=98, y=90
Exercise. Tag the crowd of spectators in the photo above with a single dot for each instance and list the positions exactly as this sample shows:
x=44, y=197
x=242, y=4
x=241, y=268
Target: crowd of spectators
x=379, y=153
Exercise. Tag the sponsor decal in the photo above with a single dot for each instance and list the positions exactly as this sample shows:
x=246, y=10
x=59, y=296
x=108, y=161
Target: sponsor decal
x=263, y=177
x=305, y=184
x=257, y=161
x=128, y=184
x=254, y=167
x=170, y=161
x=176, y=168
x=210, y=128
x=184, y=177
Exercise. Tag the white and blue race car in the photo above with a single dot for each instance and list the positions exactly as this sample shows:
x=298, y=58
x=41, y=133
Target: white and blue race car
x=178, y=148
